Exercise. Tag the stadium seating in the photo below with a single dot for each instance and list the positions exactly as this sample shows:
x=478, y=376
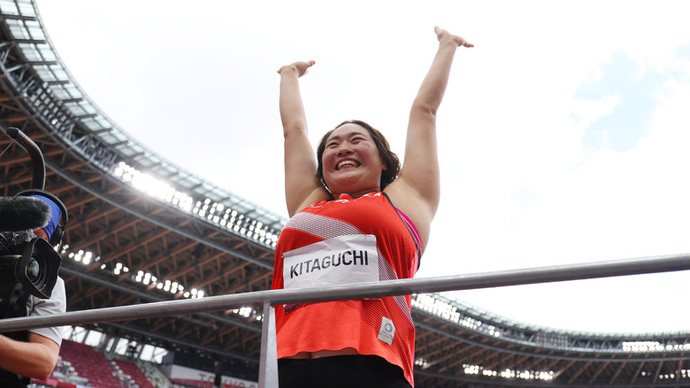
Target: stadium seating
x=132, y=370
x=89, y=364
x=84, y=365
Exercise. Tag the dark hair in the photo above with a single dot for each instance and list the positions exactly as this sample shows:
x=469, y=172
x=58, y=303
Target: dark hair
x=388, y=157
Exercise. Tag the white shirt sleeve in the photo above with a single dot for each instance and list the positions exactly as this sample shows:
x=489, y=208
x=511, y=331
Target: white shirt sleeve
x=56, y=304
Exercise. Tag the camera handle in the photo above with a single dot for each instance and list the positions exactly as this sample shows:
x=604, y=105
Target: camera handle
x=39, y=166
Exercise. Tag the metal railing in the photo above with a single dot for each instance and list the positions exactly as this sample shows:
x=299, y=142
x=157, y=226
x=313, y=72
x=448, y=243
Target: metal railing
x=268, y=370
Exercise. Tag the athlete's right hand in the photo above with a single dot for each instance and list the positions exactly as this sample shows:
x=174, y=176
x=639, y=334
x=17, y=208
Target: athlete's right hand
x=301, y=67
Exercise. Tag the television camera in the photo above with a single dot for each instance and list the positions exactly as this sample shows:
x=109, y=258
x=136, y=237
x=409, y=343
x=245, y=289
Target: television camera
x=25, y=258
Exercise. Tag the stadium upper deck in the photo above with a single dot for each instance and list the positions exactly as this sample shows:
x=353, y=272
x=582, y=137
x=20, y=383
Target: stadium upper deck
x=186, y=237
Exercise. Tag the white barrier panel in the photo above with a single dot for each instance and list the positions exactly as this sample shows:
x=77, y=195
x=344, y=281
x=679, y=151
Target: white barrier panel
x=199, y=378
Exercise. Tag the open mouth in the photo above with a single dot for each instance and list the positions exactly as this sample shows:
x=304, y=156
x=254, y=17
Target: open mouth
x=347, y=164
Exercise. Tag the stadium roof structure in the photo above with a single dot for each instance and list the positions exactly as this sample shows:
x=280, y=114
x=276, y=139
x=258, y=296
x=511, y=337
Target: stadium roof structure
x=143, y=229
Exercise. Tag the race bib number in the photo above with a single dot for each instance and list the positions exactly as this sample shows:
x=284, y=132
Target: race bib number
x=340, y=260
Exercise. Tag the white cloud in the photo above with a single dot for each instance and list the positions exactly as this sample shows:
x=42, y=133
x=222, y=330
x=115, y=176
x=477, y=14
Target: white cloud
x=614, y=205
x=588, y=111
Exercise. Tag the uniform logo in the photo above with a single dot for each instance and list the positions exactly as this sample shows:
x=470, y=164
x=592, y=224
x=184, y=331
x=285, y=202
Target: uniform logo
x=387, y=331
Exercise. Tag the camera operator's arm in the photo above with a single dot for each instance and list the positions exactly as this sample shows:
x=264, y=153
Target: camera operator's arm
x=36, y=358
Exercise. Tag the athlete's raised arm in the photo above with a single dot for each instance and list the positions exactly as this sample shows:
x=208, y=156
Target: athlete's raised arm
x=301, y=185
x=417, y=190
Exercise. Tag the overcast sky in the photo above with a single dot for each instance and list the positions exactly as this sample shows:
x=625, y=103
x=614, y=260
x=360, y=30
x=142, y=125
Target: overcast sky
x=563, y=134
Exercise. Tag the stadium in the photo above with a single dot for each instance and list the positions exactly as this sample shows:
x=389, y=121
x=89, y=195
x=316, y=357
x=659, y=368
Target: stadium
x=145, y=230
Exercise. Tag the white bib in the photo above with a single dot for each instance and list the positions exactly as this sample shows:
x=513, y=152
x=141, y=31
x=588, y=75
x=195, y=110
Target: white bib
x=340, y=260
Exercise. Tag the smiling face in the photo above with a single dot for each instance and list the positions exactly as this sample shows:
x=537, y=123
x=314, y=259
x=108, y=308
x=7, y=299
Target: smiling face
x=351, y=162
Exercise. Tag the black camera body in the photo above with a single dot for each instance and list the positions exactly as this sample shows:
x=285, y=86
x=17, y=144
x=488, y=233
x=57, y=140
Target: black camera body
x=25, y=258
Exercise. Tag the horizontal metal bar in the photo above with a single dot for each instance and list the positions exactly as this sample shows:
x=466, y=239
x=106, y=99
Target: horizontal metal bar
x=148, y=297
x=357, y=291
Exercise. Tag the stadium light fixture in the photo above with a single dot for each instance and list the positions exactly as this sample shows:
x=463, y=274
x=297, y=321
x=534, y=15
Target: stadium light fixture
x=142, y=277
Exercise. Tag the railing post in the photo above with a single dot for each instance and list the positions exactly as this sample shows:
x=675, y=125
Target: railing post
x=268, y=363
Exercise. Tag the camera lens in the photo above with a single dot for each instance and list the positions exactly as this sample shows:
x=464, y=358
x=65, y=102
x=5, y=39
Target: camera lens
x=33, y=269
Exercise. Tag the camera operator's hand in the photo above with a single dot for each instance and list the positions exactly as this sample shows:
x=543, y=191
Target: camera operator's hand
x=36, y=358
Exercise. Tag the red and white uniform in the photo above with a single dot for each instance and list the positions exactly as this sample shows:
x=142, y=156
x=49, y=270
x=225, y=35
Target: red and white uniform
x=348, y=240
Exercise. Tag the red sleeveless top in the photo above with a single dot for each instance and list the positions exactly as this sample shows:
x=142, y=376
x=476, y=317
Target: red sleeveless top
x=381, y=327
